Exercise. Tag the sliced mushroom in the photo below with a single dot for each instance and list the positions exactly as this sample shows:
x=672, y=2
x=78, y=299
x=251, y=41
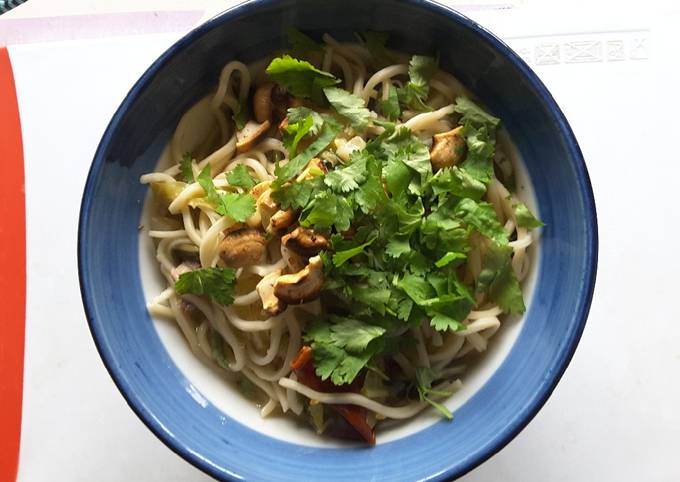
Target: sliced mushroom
x=242, y=248
x=448, y=148
x=265, y=288
x=303, y=286
x=262, y=102
x=294, y=261
x=281, y=101
x=271, y=101
x=248, y=136
x=281, y=220
x=305, y=242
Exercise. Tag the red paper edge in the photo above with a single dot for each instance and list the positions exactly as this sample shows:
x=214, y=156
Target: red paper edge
x=12, y=272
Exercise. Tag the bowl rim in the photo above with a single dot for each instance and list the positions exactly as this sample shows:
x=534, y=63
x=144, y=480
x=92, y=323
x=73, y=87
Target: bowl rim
x=523, y=418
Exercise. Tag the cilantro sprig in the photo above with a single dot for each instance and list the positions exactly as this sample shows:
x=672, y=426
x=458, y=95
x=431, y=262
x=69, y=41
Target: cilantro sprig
x=425, y=377
x=239, y=207
x=342, y=347
x=349, y=106
x=300, y=77
x=240, y=177
x=215, y=283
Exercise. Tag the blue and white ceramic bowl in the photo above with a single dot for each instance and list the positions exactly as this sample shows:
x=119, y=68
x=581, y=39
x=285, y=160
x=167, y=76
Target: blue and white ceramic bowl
x=210, y=428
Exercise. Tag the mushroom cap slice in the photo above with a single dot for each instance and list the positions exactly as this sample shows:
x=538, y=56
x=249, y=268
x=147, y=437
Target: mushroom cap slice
x=262, y=102
x=281, y=220
x=271, y=304
x=247, y=137
x=303, y=286
x=243, y=248
x=448, y=148
x=304, y=241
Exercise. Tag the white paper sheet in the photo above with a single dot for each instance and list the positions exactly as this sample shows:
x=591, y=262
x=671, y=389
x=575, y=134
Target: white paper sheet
x=613, y=417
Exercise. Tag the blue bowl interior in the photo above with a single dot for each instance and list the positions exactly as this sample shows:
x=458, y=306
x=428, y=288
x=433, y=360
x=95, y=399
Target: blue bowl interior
x=109, y=265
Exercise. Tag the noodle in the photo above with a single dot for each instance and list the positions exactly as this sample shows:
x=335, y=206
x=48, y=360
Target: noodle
x=407, y=411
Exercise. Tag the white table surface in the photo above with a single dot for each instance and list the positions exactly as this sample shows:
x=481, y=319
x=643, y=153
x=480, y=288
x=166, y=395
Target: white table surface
x=615, y=416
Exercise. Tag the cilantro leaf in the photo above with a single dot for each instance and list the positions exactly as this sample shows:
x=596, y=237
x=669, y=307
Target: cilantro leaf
x=351, y=365
x=328, y=132
x=302, y=121
x=348, y=178
x=185, y=168
x=215, y=283
x=525, y=218
x=449, y=257
x=478, y=162
x=498, y=279
x=327, y=358
x=349, y=106
x=353, y=335
x=300, y=77
x=397, y=246
x=447, y=309
x=376, y=299
x=296, y=114
x=441, y=322
x=482, y=217
x=293, y=134
x=397, y=176
x=326, y=210
x=405, y=147
x=340, y=257
x=417, y=288
x=343, y=348
x=240, y=177
x=371, y=193
x=425, y=377
x=390, y=106
x=415, y=93
x=474, y=114
x=205, y=180
x=420, y=70
x=239, y=207
x=404, y=308
x=241, y=116
x=297, y=195
x=457, y=181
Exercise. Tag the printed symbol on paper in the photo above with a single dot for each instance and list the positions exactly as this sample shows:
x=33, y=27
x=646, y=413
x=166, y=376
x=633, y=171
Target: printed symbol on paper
x=548, y=54
x=615, y=50
x=638, y=48
x=583, y=51
x=525, y=53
